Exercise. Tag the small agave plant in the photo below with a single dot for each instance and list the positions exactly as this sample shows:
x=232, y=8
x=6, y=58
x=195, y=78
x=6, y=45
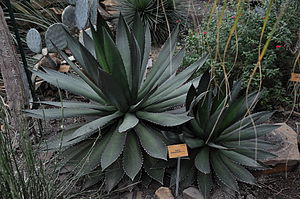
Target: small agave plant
x=127, y=108
x=223, y=137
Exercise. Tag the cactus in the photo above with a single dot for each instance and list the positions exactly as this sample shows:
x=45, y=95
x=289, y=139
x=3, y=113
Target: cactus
x=93, y=11
x=82, y=13
x=55, y=34
x=72, y=2
x=34, y=41
x=68, y=16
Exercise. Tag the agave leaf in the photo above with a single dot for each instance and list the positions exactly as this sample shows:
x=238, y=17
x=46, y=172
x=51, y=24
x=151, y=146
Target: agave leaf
x=177, y=93
x=93, y=178
x=94, y=125
x=138, y=30
x=247, y=144
x=115, y=62
x=152, y=168
x=83, y=76
x=195, y=102
x=151, y=141
x=164, y=119
x=203, y=112
x=136, y=61
x=140, y=104
x=123, y=45
x=223, y=173
x=166, y=105
x=60, y=140
x=216, y=146
x=193, y=142
x=249, y=133
x=202, y=160
x=162, y=62
x=76, y=161
x=93, y=159
x=190, y=97
x=175, y=82
x=129, y=122
x=145, y=54
x=83, y=56
x=61, y=113
x=250, y=120
x=132, y=158
x=113, y=175
x=99, y=43
x=71, y=153
x=89, y=43
x=75, y=104
x=116, y=94
x=238, y=171
x=101, y=23
x=239, y=158
x=236, y=88
x=205, y=183
x=172, y=67
x=257, y=154
x=113, y=149
x=203, y=82
x=265, y=115
x=236, y=110
x=197, y=130
x=69, y=83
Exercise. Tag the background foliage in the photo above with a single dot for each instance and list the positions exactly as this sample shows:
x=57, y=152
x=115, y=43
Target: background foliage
x=242, y=53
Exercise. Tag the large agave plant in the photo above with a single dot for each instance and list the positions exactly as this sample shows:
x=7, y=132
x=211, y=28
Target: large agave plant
x=223, y=137
x=158, y=14
x=127, y=107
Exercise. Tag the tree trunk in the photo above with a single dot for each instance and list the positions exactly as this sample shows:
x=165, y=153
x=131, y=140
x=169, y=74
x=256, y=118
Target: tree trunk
x=14, y=78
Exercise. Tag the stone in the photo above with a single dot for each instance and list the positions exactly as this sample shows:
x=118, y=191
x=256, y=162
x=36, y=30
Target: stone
x=139, y=195
x=128, y=195
x=250, y=196
x=192, y=193
x=220, y=194
x=284, y=139
x=164, y=193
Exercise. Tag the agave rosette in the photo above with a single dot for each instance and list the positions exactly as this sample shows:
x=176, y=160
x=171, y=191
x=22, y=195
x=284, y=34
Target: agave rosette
x=224, y=137
x=121, y=134
x=157, y=14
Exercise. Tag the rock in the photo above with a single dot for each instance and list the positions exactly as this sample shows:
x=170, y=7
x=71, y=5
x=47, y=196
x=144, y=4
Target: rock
x=192, y=193
x=164, y=193
x=250, y=196
x=64, y=68
x=128, y=195
x=220, y=194
x=139, y=195
x=284, y=139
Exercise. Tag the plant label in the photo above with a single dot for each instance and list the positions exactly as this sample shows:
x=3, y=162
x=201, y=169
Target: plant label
x=295, y=77
x=177, y=151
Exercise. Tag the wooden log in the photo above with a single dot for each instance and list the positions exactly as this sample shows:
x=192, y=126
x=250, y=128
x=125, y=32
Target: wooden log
x=14, y=78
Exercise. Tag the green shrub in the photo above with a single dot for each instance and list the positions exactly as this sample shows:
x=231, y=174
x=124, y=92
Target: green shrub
x=242, y=53
x=121, y=132
x=22, y=174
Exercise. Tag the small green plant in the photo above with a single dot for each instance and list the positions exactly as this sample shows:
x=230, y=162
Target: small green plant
x=22, y=175
x=242, y=53
x=121, y=132
x=224, y=136
x=160, y=15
